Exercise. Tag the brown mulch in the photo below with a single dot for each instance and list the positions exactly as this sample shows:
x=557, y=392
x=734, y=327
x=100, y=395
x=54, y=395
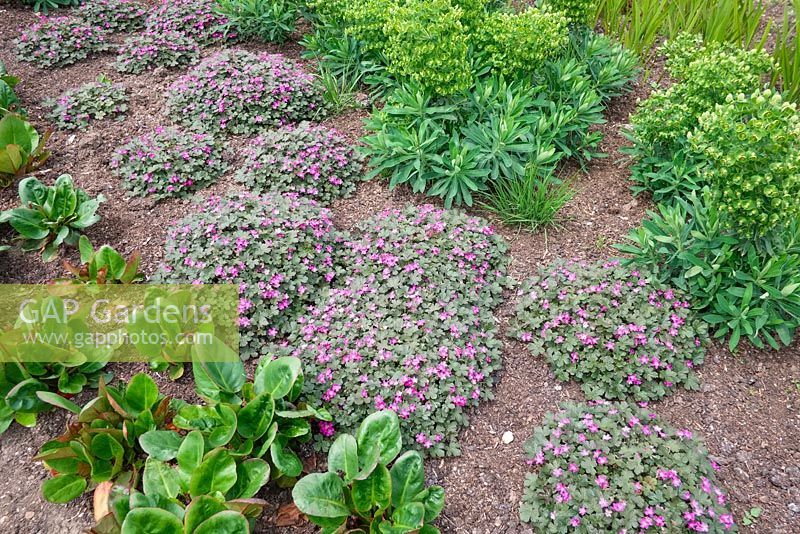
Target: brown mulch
x=748, y=409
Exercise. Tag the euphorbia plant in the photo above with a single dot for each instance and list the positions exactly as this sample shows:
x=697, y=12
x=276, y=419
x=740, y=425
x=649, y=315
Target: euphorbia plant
x=51, y=216
x=21, y=148
x=362, y=493
x=101, y=444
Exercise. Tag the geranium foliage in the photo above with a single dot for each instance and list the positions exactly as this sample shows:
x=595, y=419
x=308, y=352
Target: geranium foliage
x=313, y=161
x=150, y=49
x=196, y=19
x=410, y=328
x=76, y=108
x=615, y=330
x=277, y=248
x=615, y=467
x=113, y=15
x=168, y=163
x=237, y=92
x=59, y=41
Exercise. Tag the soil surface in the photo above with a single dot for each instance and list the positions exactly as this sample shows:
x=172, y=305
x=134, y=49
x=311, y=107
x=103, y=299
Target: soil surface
x=748, y=409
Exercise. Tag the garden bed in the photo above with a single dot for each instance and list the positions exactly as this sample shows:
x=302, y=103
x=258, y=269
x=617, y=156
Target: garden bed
x=747, y=410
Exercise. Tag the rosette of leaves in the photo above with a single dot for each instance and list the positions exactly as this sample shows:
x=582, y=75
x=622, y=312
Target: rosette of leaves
x=740, y=290
x=51, y=216
x=409, y=327
x=237, y=92
x=101, y=444
x=611, y=467
x=617, y=331
x=260, y=420
x=277, y=248
x=93, y=101
x=113, y=15
x=168, y=163
x=751, y=146
x=59, y=41
x=22, y=149
x=310, y=160
x=516, y=43
x=151, y=49
x=104, y=265
x=196, y=19
x=9, y=101
x=28, y=384
x=368, y=487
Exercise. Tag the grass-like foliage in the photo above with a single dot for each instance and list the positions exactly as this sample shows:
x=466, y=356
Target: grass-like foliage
x=238, y=92
x=310, y=160
x=168, y=163
x=617, y=331
x=613, y=467
x=277, y=248
x=409, y=325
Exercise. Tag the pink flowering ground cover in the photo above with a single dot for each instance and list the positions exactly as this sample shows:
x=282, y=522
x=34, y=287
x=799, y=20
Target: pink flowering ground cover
x=617, y=331
x=196, y=19
x=237, y=92
x=94, y=101
x=150, y=49
x=59, y=41
x=308, y=159
x=409, y=327
x=168, y=163
x=617, y=468
x=113, y=15
x=277, y=248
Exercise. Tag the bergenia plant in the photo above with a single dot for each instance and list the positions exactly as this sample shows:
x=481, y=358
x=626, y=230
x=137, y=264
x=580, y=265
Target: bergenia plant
x=51, y=215
x=368, y=488
x=616, y=467
x=237, y=92
x=59, y=41
x=22, y=149
x=168, y=163
x=617, y=331
x=310, y=160
x=104, y=265
x=279, y=250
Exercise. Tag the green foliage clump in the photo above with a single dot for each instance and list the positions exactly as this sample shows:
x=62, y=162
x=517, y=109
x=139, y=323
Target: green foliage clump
x=9, y=101
x=310, y=160
x=576, y=11
x=614, y=329
x=150, y=49
x=59, y=41
x=113, y=15
x=751, y=145
x=51, y=215
x=427, y=43
x=741, y=291
x=365, y=21
x=269, y=20
x=76, y=108
x=368, y=486
x=616, y=467
x=22, y=149
x=515, y=43
x=104, y=266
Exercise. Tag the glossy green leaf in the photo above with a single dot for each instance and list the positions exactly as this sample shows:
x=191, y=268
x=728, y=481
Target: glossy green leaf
x=63, y=488
x=151, y=521
x=320, y=495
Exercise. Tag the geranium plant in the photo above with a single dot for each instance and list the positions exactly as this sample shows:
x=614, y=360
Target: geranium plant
x=51, y=216
x=277, y=248
x=615, y=467
x=113, y=15
x=151, y=49
x=616, y=330
x=94, y=101
x=310, y=160
x=410, y=326
x=242, y=93
x=196, y=19
x=168, y=163
x=368, y=487
x=59, y=41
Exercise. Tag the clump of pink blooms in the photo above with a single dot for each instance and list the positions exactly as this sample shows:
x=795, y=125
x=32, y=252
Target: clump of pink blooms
x=196, y=19
x=615, y=467
x=150, y=49
x=113, y=15
x=59, y=41
x=237, y=92
x=308, y=159
x=168, y=163
x=616, y=330
x=277, y=248
x=76, y=108
x=409, y=326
